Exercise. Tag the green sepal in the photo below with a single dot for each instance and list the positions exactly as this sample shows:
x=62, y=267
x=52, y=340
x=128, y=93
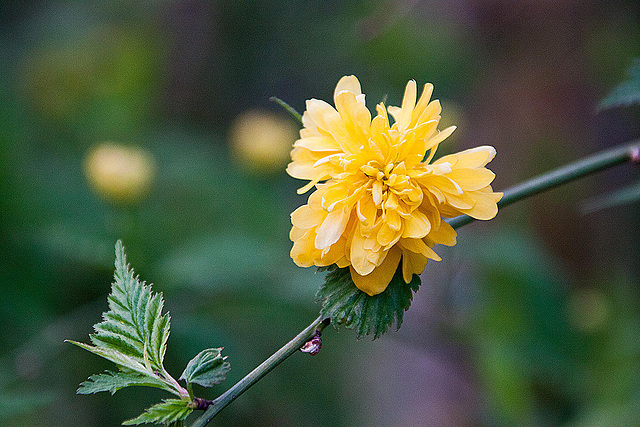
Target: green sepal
x=348, y=306
x=207, y=368
x=627, y=92
x=169, y=412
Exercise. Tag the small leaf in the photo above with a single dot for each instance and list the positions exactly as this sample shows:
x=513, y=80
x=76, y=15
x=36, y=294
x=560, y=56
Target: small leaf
x=627, y=92
x=208, y=368
x=114, y=381
x=347, y=305
x=167, y=412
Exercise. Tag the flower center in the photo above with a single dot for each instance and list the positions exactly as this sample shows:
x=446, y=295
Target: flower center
x=390, y=181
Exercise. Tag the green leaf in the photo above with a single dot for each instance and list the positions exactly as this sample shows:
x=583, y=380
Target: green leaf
x=627, y=92
x=347, y=305
x=134, y=325
x=133, y=334
x=170, y=411
x=624, y=196
x=114, y=381
x=208, y=368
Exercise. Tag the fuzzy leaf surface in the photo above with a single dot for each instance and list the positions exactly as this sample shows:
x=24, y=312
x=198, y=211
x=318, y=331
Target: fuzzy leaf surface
x=170, y=411
x=626, y=93
x=207, y=368
x=348, y=306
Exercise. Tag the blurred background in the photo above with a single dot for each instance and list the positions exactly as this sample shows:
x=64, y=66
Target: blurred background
x=149, y=121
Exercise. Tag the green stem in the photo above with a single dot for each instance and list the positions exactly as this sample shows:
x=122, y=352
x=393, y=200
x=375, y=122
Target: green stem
x=254, y=376
x=547, y=181
x=581, y=168
x=287, y=107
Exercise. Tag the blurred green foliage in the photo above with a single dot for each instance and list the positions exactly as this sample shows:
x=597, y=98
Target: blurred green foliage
x=545, y=321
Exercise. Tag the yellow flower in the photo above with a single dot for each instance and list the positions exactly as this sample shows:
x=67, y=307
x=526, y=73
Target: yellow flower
x=379, y=201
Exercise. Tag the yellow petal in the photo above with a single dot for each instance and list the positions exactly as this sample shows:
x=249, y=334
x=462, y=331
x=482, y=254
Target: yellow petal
x=378, y=280
x=441, y=183
x=318, y=143
x=349, y=84
x=460, y=201
x=304, y=217
x=343, y=263
x=376, y=257
x=310, y=185
x=393, y=220
x=423, y=102
x=412, y=263
x=376, y=192
x=303, y=251
x=472, y=158
x=355, y=115
x=416, y=226
x=485, y=207
x=310, y=128
x=387, y=236
x=440, y=136
x=367, y=211
x=444, y=234
x=420, y=247
x=332, y=227
x=329, y=120
x=391, y=203
x=358, y=255
x=332, y=254
x=403, y=115
x=296, y=233
x=472, y=179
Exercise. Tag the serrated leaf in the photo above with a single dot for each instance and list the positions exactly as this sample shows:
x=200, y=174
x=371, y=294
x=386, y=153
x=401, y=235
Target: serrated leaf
x=114, y=381
x=627, y=92
x=168, y=412
x=348, y=306
x=207, y=368
x=133, y=334
x=134, y=324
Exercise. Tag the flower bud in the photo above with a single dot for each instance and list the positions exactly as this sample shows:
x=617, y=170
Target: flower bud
x=261, y=141
x=313, y=345
x=121, y=174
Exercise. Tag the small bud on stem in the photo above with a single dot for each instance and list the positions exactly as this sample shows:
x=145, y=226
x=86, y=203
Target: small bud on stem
x=634, y=156
x=201, y=404
x=313, y=345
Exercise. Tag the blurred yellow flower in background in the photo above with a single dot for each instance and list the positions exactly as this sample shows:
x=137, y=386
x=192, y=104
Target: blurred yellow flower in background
x=379, y=201
x=120, y=173
x=261, y=140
